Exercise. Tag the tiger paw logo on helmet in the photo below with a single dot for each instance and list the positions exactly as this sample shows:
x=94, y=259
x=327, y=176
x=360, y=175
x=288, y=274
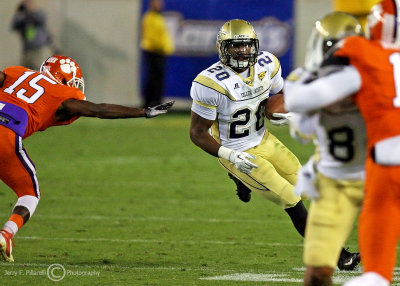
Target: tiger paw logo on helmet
x=67, y=66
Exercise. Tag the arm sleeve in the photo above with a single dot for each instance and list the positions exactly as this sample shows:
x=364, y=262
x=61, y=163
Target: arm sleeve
x=305, y=97
x=205, y=101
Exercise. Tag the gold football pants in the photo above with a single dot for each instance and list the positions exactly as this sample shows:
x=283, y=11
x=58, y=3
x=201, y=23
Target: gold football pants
x=330, y=220
x=276, y=174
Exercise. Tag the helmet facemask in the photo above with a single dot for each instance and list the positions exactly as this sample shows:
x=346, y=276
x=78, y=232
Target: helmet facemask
x=77, y=82
x=237, y=44
x=239, y=53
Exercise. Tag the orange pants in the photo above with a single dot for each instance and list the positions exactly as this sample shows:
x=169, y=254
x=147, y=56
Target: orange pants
x=16, y=168
x=379, y=225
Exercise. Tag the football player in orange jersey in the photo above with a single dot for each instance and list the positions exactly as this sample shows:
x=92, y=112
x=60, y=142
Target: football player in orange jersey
x=370, y=70
x=32, y=101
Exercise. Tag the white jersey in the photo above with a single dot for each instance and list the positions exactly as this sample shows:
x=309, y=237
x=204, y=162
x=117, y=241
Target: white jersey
x=339, y=131
x=236, y=104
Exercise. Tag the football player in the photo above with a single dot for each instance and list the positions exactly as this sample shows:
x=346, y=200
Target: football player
x=369, y=69
x=228, y=119
x=334, y=177
x=32, y=101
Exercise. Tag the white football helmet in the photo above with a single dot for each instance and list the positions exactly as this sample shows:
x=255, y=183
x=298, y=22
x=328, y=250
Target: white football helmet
x=63, y=70
x=326, y=33
x=237, y=44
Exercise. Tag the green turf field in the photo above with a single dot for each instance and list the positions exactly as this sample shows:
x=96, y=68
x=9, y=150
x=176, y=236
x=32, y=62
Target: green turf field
x=134, y=202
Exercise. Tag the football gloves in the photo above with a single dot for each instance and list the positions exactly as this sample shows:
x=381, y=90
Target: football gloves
x=305, y=186
x=158, y=109
x=281, y=118
x=238, y=158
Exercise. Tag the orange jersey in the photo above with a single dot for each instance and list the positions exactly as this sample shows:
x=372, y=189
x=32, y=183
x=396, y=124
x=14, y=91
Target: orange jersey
x=377, y=98
x=38, y=95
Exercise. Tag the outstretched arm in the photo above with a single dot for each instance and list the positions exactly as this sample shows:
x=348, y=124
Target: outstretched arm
x=74, y=107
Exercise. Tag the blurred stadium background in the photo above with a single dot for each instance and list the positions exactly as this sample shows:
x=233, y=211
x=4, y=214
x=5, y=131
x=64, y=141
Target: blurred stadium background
x=103, y=36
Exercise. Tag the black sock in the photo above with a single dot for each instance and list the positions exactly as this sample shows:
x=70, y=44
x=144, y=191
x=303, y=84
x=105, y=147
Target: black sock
x=298, y=215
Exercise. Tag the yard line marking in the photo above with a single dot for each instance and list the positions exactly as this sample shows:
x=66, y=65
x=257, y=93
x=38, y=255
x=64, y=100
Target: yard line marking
x=270, y=277
x=159, y=241
x=150, y=218
x=114, y=266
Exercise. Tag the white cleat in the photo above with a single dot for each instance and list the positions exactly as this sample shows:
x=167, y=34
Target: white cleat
x=6, y=245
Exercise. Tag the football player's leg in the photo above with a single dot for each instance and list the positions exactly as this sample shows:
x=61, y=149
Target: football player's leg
x=330, y=221
x=19, y=173
x=285, y=162
x=379, y=225
x=243, y=192
x=268, y=183
x=298, y=214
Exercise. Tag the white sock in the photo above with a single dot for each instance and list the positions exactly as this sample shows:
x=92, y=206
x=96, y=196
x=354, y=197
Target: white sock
x=30, y=202
x=11, y=226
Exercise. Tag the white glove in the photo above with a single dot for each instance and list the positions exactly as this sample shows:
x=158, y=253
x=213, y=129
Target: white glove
x=306, y=181
x=239, y=159
x=281, y=118
x=158, y=109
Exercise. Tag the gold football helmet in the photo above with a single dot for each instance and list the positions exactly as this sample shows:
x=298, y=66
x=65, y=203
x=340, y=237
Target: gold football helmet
x=237, y=44
x=326, y=33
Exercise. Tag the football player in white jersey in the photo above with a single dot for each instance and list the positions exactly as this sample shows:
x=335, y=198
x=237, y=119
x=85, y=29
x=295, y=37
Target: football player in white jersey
x=228, y=119
x=334, y=177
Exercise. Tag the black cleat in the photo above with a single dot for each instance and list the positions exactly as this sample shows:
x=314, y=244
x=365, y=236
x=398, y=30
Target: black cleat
x=243, y=192
x=348, y=261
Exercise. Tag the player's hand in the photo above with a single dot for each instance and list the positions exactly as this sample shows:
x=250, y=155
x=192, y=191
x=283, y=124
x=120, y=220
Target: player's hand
x=305, y=185
x=158, y=109
x=238, y=158
x=280, y=118
x=242, y=162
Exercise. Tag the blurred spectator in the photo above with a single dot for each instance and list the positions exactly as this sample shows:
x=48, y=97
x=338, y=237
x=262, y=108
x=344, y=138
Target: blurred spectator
x=30, y=23
x=156, y=44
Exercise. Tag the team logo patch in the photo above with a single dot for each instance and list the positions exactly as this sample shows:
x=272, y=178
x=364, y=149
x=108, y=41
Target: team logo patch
x=261, y=75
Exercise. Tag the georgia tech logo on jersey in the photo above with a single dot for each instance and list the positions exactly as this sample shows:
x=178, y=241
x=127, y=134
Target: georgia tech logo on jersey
x=261, y=75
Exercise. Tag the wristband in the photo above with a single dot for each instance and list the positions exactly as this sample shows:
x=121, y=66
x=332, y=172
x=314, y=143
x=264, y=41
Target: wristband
x=224, y=153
